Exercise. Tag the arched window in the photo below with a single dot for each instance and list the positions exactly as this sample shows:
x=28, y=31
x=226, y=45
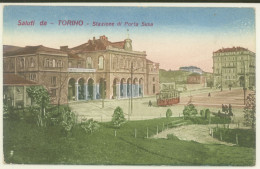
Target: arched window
x=101, y=62
x=89, y=63
x=31, y=62
x=53, y=63
x=22, y=63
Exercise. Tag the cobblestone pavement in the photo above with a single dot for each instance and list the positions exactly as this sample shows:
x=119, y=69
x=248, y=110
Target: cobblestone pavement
x=93, y=109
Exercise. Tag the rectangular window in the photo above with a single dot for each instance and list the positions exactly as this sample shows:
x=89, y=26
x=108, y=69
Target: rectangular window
x=153, y=88
x=53, y=80
x=53, y=92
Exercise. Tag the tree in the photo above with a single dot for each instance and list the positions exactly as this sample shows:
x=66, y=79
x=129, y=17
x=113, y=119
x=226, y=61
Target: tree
x=210, y=83
x=118, y=117
x=250, y=111
x=41, y=98
x=189, y=111
x=168, y=113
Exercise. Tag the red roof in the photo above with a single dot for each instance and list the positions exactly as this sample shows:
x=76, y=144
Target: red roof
x=234, y=49
x=33, y=50
x=16, y=80
x=98, y=44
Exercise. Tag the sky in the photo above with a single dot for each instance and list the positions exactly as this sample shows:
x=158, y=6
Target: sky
x=180, y=36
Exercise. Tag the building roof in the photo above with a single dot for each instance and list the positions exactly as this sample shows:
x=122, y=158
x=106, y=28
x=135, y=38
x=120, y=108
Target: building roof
x=189, y=67
x=233, y=49
x=9, y=48
x=98, y=44
x=33, y=50
x=195, y=74
x=16, y=80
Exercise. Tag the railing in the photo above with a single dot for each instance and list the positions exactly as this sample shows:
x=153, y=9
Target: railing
x=81, y=70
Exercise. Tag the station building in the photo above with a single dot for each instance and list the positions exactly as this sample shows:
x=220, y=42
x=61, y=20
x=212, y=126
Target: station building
x=97, y=69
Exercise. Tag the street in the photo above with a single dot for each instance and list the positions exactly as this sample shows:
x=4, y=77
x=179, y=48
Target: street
x=93, y=109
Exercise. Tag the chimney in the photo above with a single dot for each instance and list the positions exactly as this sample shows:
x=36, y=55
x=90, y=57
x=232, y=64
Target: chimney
x=64, y=48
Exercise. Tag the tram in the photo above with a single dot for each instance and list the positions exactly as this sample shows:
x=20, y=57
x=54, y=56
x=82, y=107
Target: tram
x=167, y=97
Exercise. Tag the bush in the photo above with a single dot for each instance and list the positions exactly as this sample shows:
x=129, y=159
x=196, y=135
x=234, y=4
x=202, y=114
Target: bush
x=67, y=122
x=118, y=117
x=12, y=113
x=168, y=113
x=202, y=113
x=172, y=137
x=90, y=126
x=207, y=113
x=31, y=114
x=189, y=111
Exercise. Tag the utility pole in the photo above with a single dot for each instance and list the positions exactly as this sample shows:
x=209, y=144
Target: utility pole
x=131, y=92
x=244, y=85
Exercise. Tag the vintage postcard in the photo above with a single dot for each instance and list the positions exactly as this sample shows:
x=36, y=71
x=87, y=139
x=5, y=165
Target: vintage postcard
x=137, y=84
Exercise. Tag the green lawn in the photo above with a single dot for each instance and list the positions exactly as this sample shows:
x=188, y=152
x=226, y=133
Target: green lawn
x=33, y=145
x=244, y=137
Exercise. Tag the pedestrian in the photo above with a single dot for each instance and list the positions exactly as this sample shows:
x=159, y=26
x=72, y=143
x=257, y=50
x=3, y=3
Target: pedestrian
x=209, y=95
x=150, y=103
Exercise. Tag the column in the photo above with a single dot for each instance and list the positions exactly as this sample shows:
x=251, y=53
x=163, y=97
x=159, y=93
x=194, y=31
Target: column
x=24, y=96
x=76, y=91
x=118, y=91
x=86, y=91
x=94, y=92
x=124, y=90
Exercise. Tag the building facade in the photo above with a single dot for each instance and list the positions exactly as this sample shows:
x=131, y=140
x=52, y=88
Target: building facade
x=196, y=78
x=98, y=69
x=234, y=66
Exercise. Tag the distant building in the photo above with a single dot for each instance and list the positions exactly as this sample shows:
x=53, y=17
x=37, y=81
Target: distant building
x=192, y=69
x=234, y=66
x=93, y=70
x=196, y=78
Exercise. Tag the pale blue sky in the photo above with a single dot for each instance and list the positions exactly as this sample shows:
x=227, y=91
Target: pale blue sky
x=177, y=31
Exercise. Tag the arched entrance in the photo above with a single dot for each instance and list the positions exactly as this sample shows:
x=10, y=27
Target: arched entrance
x=115, y=89
x=140, y=91
x=90, y=89
x=102, y=89
x=71, y=89
x=135, y=87
x=241, y=81
x=128, y=87
x=81, y=89
x=122, y=94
